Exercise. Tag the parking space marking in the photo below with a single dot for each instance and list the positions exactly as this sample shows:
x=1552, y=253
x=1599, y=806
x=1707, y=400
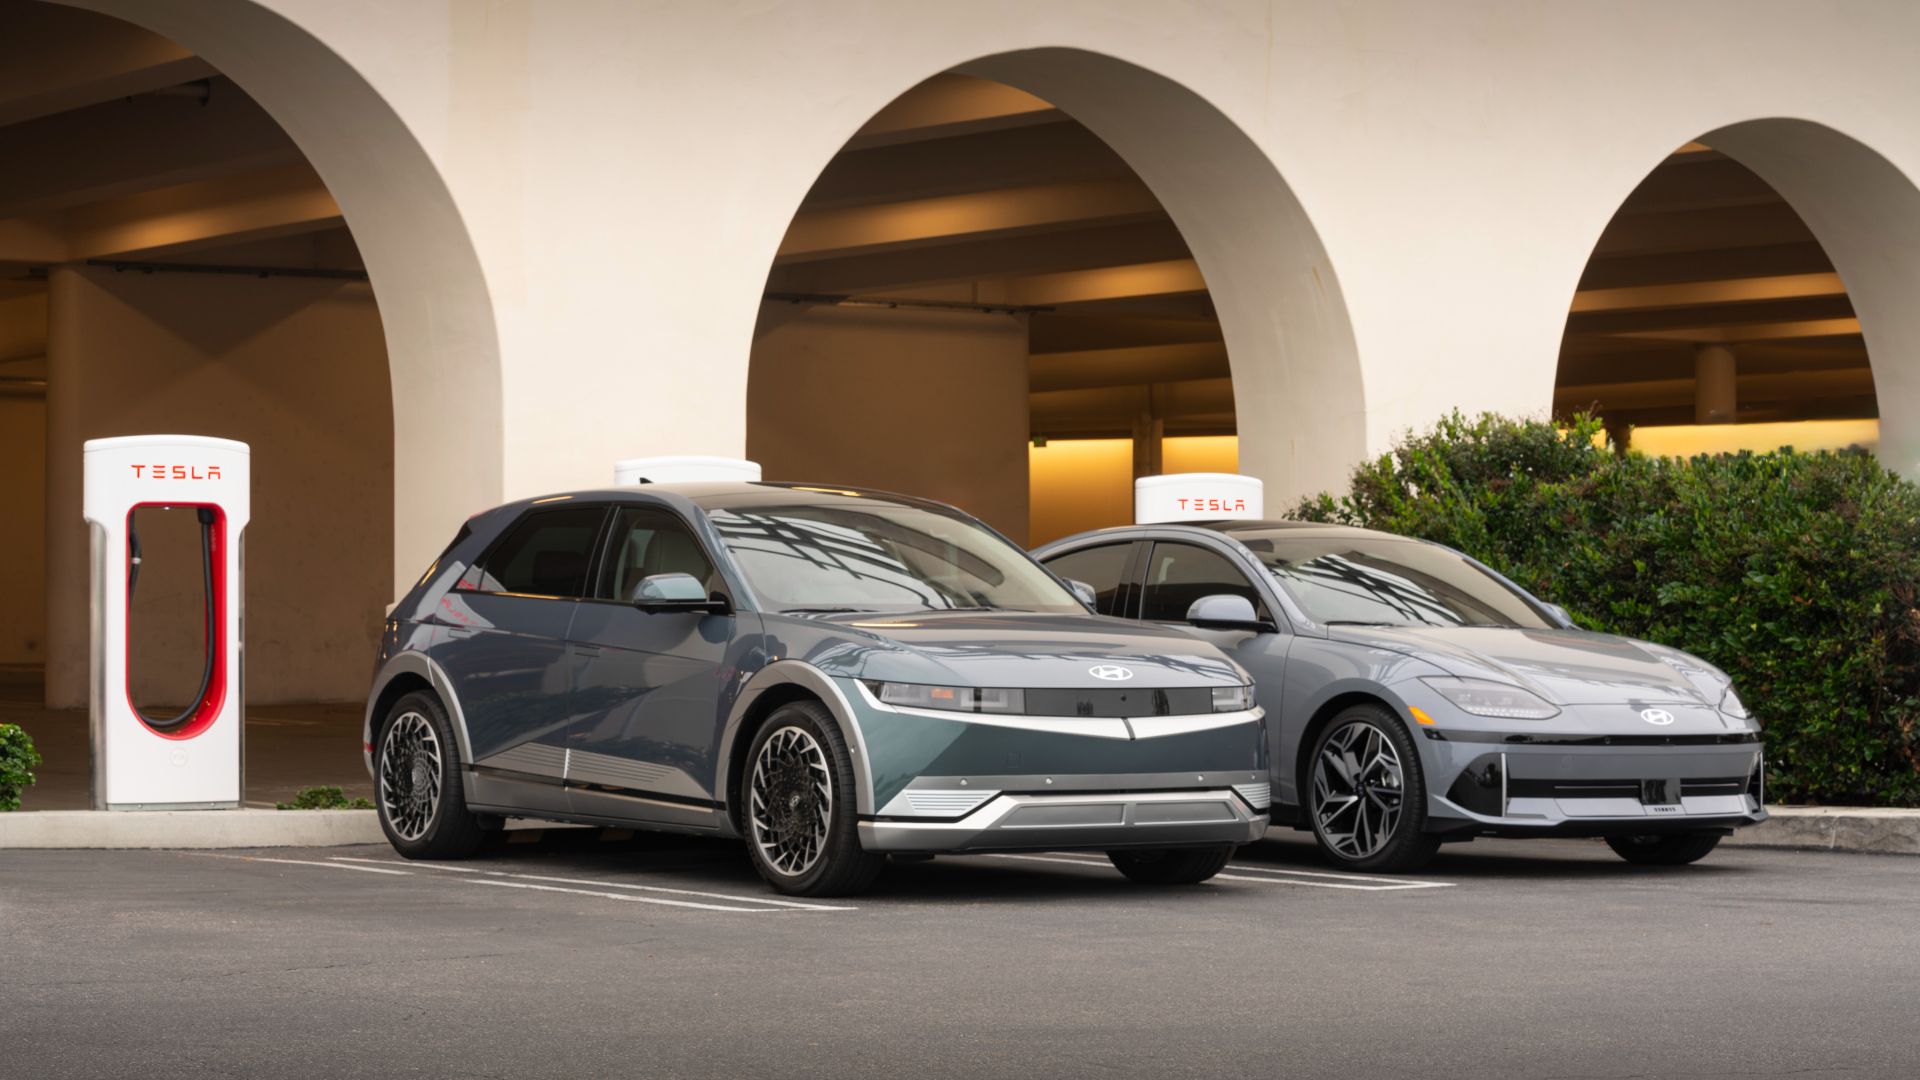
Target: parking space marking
x=764, y=901
x=627, y=897
x=1354, y=882
x=297, y=862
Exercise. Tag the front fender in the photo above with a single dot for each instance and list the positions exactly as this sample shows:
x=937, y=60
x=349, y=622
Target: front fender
x=804, y=675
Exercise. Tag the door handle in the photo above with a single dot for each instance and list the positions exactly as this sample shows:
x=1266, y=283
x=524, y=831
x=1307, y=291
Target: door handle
x=461, y=631
x=587, y=650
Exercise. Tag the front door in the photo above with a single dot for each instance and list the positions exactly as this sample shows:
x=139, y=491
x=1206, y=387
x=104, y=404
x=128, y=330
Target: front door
x=651, y=687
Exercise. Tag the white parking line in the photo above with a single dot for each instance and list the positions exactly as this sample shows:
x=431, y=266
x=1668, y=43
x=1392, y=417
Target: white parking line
x=628, y=897
x=767, y=901
x=295, y=862
x=1353, y=882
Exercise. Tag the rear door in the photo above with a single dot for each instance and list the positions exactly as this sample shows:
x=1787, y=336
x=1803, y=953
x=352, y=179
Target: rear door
x=651, y=687
x=503, y=643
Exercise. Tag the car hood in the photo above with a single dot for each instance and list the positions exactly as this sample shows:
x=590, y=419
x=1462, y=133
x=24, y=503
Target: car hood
x=1031, y=650
x=1567, y=667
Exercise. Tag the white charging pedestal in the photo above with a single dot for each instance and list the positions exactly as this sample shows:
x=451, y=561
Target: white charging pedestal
x=1197, y=497
x=683, y=470
x=190, y=760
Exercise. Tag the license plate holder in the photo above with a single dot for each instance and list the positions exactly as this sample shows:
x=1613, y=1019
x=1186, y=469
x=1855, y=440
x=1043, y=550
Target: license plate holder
x=1662, y=795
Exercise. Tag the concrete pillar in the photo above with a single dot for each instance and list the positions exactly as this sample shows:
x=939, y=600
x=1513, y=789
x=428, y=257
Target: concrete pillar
x=1148, y=431
x=1714, y=397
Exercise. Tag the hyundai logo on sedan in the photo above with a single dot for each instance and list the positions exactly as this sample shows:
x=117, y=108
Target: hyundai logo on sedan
x=1660, y=717
x=1110, y=672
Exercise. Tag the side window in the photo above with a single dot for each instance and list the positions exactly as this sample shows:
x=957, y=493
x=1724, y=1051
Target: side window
x=646, y=542
x=544, y=554
x=1179, y=574
x=1102, y=567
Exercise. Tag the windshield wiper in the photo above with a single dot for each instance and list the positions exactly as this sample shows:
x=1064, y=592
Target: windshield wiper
x=826, y=611
x=1364, y=622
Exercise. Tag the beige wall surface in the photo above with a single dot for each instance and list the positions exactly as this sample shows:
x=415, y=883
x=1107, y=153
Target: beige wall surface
x=297, y=369
x=930, y=403
x=23, y=619
x=1391, y=200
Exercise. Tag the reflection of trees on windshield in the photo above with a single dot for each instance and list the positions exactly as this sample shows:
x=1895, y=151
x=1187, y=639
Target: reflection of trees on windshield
x=1406, y=583
x=826, y=556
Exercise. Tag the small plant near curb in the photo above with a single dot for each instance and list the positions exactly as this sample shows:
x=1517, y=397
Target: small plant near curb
x=324, y=798
x=17, y=761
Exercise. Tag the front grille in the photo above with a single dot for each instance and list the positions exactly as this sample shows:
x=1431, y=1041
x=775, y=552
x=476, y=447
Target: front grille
x=1617, y=789
x=1134, y=701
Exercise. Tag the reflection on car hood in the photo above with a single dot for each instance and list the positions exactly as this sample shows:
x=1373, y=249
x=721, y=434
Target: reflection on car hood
x=1021, y=649
x=1567, y=667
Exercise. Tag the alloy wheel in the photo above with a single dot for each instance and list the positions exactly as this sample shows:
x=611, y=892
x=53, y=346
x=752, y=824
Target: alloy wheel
x=791, y=805
x=410, y=775
x=1358, y=790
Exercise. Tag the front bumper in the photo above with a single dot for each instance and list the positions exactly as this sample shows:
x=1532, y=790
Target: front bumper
x=1510, y=789
x=1085, y=819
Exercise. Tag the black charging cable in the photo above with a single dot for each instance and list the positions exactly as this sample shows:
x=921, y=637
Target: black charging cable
x=212, y=635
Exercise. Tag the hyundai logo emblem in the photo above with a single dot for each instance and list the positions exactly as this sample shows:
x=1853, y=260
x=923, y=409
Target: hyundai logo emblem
x=1660, y=717
x=1110, y=672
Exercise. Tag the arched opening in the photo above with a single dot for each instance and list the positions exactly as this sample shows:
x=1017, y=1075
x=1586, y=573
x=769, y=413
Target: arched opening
x=1734, y=300
x=1032, y=278
x=200, y=204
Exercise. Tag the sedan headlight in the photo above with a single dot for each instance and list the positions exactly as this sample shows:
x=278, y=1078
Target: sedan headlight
x=1484, y=697
x=1731, y=704
x=1232, y=698
x=972, y=699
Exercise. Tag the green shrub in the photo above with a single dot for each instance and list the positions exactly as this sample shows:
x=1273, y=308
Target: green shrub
x=18, y=759
x=324, y=798
x=1797, y=573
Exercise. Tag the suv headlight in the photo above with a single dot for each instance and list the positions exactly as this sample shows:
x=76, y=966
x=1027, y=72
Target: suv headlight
x=1484, y=697
x=1232, y=698
x=1731, y=704
x=971, y=699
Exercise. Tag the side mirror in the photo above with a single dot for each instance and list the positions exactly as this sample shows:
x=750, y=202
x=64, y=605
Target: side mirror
x=1085, y=592
x=1225, y=611
x=675, y=592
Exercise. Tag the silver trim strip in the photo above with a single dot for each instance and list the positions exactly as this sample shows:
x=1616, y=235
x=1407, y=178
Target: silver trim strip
x=798, y=673
x=1098, y=727
x=415, y=662
x=1159, y=727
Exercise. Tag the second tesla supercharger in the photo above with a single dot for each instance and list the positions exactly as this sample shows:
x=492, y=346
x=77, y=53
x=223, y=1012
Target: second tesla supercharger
x=1196, y=497
x=187, y=756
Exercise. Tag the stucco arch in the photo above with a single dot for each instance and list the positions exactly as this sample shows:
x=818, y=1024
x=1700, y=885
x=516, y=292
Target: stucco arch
x=1298, y=390
x=443, y=353
x=1866, y=214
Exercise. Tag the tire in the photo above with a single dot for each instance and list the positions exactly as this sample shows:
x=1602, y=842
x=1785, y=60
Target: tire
x=798, y=808
x=1366, y=794
x=1664, y=849
x=417, y=787
x=1171, y=866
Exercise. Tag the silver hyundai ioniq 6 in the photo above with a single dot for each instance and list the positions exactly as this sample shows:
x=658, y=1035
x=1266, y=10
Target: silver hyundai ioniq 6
x=1415, y=696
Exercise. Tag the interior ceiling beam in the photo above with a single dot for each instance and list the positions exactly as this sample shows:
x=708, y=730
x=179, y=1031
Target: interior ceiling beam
x=207, y=213
x=1668, y=268
x=1733, y=335
x=1655, y=393
x=1699, y=185
x=982, y=161
x=122, y=147
x=1127, y=366
x=1698, y=230
x=1703, y=315
x=1727, y=291
x=972, y=259
x=1073, y=332
x=820, y=234
x=948, y=105
x=54, y=59
x=1669, y=360
x=1101, y=408
x=1168, y=277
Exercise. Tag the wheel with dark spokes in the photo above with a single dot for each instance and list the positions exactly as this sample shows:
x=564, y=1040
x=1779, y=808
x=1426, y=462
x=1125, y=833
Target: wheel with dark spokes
x=1367, y=798
x=1171, y=866
x=417, y=789
x=799, y=809
x=1664, y=849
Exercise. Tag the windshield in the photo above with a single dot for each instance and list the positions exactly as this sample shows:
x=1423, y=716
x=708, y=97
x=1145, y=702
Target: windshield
x=882, y=557
x=1384, y=581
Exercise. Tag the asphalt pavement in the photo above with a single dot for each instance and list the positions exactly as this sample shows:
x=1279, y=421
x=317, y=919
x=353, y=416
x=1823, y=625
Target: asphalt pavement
x=668, y=958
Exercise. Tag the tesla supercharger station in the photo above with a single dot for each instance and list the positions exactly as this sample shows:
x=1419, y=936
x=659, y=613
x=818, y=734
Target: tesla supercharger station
x=1196, y=497
x=683, y=470
x=186, y=757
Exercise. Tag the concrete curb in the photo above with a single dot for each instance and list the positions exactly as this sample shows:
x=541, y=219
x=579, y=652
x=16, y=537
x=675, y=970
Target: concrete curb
x=189, y=828
x=1879, y=830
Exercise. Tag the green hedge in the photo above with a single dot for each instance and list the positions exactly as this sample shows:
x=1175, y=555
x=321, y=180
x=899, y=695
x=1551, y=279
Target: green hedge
x=1797, y=573
x=18, y=759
